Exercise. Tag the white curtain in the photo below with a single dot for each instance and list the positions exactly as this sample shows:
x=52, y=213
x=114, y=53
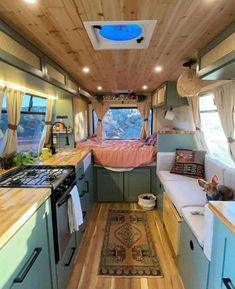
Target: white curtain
x=144, y=108
x=2, y=93
x=100, y=109
x=14, y=100
x=46, y=131
x=225, y=102
x=199, y=135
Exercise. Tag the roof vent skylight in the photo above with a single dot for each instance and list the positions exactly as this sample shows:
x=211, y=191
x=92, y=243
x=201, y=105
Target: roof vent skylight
x=120, y=35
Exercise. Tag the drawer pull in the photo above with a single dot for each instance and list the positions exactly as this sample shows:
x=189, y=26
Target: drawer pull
x=82, y=194
x=226, y=282
x=23, y=273
x=191, y=245
x=73, y=249
x=83, y=214
x=87, y=186
x=82, y=177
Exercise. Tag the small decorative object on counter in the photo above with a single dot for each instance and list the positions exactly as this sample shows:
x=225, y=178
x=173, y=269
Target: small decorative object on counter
x=147, y=201
x=45, y=154
x=7, y=162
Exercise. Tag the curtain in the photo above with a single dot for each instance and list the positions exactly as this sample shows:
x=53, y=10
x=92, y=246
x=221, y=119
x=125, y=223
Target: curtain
x=46, y=131
x=2, y=93
x=14, y=100
x=100, y=109
x=225, y=102
x=144, y=108
x=199, y=135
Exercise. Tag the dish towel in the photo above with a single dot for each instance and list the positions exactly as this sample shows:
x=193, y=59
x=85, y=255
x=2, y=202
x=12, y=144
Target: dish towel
x=74, y=210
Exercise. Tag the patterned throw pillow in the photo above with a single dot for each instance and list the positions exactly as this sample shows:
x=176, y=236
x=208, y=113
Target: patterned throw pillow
x=189, y=163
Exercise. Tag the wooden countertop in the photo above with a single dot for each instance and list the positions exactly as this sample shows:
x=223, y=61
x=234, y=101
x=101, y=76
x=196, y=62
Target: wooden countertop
x=65, y=157
x=17, y=205
x=225, y=212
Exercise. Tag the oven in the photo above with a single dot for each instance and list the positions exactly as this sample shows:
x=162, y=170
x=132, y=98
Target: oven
x=59, y=203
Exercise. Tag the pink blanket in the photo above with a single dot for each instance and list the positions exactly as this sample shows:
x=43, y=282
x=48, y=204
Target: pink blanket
x=120, y=153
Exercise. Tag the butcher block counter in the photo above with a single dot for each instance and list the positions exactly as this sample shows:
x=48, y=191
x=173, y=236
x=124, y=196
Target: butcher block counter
x=17, y=205
x=67, y=157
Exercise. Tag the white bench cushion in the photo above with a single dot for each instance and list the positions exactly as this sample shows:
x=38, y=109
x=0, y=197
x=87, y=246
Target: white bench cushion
x=195, y=222
x=185, y=194
x=165, y=176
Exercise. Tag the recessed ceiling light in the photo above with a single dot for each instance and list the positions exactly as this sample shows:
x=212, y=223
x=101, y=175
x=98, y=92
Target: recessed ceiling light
x=86, y=69
x=158, y=68
x=31, y=1
x=144, y=87
x=99, y=87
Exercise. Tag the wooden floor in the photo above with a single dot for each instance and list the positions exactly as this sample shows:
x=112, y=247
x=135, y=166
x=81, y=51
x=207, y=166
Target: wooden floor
x=85, y=276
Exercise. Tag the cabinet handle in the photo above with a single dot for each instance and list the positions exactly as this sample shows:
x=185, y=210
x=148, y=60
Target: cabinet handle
x=73, y=249
x=160, y=185
x=82, y=177
x=87, y=186
x=226, y=282
x=83, y=214
x=23, y=273
x=191, y=245
x=82, y=195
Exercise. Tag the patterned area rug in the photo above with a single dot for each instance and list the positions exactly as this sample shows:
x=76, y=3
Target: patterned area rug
x=128, y=248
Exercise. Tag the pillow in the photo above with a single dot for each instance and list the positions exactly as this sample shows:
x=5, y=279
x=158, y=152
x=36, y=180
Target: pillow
x=189, y=163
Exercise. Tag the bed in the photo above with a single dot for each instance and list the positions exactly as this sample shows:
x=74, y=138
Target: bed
x=120, y=153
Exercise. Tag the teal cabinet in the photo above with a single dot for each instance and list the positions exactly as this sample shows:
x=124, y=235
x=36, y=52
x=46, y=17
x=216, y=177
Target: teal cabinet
x=166, y=96
x=222, y=270
x=193, y=264
x=136, y=182
x=27, y=260
x=109, y=185
x=124, y=186
x=168, y=142
x=65, y=265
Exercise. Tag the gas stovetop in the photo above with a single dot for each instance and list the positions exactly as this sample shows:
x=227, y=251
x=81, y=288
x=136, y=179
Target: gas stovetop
x=35, y=176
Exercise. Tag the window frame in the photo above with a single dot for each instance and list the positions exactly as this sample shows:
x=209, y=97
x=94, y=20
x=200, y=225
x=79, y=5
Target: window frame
x=121, y=107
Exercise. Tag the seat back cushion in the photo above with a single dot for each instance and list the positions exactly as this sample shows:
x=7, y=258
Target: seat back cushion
x=165, y=161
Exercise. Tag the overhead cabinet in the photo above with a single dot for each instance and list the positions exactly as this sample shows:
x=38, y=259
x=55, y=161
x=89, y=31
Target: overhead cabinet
x=217, y=59
x=166, y=96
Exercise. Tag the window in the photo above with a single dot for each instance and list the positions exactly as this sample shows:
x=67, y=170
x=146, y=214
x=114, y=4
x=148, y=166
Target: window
x=213, y=131
x=31, y=123
x=122, y=123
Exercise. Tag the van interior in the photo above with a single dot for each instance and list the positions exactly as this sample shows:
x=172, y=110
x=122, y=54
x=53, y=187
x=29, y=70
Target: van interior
x=117, y=144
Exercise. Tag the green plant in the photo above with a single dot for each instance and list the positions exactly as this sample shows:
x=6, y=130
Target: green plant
x=24, y=158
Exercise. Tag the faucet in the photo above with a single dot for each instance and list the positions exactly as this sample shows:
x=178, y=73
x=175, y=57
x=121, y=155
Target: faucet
x=52, y=145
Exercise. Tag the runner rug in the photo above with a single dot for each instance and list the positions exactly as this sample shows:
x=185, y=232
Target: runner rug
x=128, y=249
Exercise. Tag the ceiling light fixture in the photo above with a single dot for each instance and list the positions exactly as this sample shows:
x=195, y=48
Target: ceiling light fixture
x=144, y=87
x=86, y=69
x=158, y=68
x=31, y=1
x=99, y=87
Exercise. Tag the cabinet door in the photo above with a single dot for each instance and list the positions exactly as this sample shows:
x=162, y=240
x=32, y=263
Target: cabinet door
x=160, y=190
x=109, y=186
x=26, y=260
x=161, y=95
x=193, y=265
x=65, y=265
x=136, y=182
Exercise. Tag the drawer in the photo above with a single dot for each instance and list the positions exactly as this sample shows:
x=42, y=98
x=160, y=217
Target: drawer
x=65, y=265
x=193, y=264
x=80, y=174
x=25, y=260
x=172, y=222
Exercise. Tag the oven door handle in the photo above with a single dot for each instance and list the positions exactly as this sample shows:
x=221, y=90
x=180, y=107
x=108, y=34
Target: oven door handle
x=64, y=200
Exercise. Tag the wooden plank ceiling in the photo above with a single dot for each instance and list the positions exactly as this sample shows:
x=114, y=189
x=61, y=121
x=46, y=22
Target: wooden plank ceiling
x=56, y=27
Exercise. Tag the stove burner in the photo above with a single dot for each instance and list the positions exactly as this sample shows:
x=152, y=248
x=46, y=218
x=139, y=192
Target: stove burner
x=51, y=178
x=31, y=174
x=16, y=182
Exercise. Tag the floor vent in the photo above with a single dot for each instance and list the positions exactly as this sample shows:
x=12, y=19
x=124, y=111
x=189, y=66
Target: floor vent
x=106, y=35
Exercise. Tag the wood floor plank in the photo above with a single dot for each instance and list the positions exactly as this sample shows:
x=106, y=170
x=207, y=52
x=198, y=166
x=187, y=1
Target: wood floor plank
x=86, y=265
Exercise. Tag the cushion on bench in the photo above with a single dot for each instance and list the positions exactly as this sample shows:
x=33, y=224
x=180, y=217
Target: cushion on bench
x=165, y=176
x=185, y=194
